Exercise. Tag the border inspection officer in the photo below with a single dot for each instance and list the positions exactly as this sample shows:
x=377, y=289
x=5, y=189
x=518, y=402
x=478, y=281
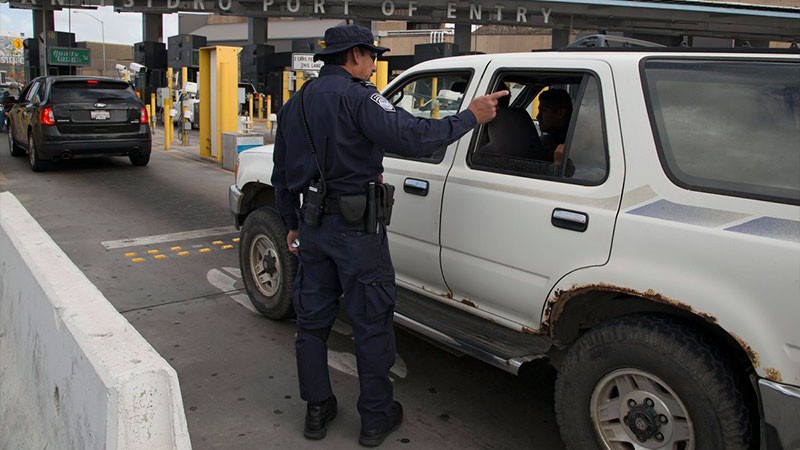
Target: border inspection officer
x=329, y=147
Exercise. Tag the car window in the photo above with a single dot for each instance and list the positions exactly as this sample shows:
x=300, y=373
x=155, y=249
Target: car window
x=431, y=96
x=92, y=91
x=34, y=88
x=551, y=127
x=730, y=127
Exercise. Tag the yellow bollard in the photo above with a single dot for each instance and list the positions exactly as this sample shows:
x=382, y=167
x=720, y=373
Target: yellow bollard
x=250, y=107
x=298, y=80
x=149, y=115
x=167, y=121
x=153, y=118
x=286, y=93
x=269, y=111
x=382, y=75
x=171, y=126
x=260, y=106
x=434, y=94
x=184, y=76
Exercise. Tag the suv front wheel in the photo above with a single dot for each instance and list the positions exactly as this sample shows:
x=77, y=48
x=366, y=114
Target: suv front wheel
x=650, y=382
x=268, y=268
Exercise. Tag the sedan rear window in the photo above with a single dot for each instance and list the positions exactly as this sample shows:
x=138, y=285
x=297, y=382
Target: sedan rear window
x=728, y=127
x=88, y=92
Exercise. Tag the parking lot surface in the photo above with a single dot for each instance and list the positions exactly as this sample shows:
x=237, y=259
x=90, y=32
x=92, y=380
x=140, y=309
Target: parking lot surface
x=158, y=242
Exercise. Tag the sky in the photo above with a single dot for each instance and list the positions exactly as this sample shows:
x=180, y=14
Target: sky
x=120, y=28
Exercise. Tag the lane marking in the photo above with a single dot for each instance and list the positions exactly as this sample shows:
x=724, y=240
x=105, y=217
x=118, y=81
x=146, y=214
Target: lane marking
x=160, y=256
x=130, y=255
x=217, y=243
x=244, y=300
x=204, y=250
x=137, y=259
x=227, y=247
x=183, y=253
x=235, y=240
x=170, y=237
x=152, y=252
x=175, y=248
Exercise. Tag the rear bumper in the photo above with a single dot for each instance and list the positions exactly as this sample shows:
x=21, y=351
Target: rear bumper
x=53, y=144
x=781, y=405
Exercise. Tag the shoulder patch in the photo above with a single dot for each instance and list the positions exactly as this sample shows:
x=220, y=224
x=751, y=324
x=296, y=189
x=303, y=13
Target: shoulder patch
x=382, y=102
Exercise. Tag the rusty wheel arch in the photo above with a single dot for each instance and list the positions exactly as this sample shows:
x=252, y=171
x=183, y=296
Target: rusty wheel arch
x=570, y=313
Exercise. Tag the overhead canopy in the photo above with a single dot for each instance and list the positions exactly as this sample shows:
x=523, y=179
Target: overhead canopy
x=673, y=17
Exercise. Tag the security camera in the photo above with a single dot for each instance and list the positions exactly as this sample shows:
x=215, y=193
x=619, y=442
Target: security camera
x=137, y=67
x=120, y=67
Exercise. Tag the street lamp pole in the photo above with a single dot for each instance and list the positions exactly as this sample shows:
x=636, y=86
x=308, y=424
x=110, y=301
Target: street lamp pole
x=103, y=33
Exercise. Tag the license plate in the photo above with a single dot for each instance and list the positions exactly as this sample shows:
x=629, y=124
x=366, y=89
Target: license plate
x=101, y=115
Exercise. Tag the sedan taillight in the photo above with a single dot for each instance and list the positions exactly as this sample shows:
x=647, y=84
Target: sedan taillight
x=143, y=116
x=46, y=117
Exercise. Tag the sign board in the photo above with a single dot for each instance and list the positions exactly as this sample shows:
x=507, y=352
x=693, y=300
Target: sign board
x=11, y=50
x=305, y=61
x=60, y=56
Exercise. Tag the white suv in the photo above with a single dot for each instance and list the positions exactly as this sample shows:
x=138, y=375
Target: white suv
x=654, y=258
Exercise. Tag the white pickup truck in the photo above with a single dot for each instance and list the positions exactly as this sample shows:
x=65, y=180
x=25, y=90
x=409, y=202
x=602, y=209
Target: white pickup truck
x=657, y=265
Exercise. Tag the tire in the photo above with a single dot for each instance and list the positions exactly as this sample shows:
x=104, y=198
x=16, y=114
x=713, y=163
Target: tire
x=671, y=370
x=140, y=159
x=37, y=164
x=13, y=147
x=264, y=235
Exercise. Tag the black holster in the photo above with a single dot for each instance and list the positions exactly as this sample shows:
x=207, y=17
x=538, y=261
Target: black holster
x=380, y=200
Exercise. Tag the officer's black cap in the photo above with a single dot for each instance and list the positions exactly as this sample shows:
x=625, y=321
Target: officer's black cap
x=339, y=39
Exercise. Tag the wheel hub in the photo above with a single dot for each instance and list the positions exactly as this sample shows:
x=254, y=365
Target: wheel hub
x=643, y=421
x=269, y=262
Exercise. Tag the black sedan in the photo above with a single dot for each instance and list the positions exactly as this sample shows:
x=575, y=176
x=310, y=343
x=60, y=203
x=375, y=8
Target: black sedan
x=61, y=117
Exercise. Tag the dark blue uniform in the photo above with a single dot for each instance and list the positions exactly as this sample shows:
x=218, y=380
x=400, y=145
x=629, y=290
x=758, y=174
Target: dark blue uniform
x=351, y=125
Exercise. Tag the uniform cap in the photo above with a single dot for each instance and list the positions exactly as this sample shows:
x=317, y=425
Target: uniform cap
x=339, y=39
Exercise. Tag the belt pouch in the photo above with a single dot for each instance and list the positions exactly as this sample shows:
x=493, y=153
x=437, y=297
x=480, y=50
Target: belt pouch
x=352, y=208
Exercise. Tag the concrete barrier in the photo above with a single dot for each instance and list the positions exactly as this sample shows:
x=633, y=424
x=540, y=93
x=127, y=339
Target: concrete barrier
x=74, y=374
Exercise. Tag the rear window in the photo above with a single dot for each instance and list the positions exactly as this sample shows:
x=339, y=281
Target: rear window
x=85, y=92
x=729, y=127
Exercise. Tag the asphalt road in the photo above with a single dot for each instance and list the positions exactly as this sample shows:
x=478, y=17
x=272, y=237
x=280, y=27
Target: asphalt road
x=236, y=368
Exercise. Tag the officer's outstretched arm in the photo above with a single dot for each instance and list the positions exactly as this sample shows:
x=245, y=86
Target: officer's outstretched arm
x=399, y=132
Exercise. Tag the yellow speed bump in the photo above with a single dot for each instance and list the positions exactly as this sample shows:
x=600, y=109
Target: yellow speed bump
x=175, y=248
x=227, y=247
x=217, y=243
x=183, y=253
x=152, y=252
x=137, y=259
x=160, y=256
x=130, y=255
x=204, y=250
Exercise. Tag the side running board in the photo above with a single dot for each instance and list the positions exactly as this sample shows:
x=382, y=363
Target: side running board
x=472, y=335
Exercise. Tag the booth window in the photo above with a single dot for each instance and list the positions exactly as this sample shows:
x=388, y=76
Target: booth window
x=551, y=127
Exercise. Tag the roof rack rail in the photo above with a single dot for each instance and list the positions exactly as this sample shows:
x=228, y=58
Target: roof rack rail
x=610, y=41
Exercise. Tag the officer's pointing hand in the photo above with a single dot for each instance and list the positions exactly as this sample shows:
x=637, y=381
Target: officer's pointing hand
x=485, y=107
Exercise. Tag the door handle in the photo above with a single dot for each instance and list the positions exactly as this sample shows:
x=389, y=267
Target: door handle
x=570, y=220
x=416, y=187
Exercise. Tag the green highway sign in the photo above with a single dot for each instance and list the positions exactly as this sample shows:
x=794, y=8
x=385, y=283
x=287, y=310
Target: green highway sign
x=60, y=56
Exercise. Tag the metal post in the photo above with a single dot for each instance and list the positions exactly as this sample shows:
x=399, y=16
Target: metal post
x=269, y=111
x=171, y=127
x=184, y=128
x=260, y=106
x=434, y=94
x=285, y=87
x=153, y=108
x=250, y=108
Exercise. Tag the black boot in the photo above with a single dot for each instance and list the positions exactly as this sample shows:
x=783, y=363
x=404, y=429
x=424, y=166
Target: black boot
x=318, y=416
x=374, y=438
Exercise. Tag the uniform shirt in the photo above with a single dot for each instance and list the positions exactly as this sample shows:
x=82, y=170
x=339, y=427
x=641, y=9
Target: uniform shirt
x=351, y=125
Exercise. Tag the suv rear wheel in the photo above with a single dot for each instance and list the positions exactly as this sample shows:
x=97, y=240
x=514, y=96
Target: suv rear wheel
x=140, y=159
x=37, y=164
x=15, y=149
x=642, y=382
x=268, y=268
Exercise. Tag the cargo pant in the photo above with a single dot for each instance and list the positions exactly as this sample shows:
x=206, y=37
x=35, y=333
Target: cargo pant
x=340, y=259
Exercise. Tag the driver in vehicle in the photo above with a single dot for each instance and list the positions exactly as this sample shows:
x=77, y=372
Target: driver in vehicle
x=555, y=111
